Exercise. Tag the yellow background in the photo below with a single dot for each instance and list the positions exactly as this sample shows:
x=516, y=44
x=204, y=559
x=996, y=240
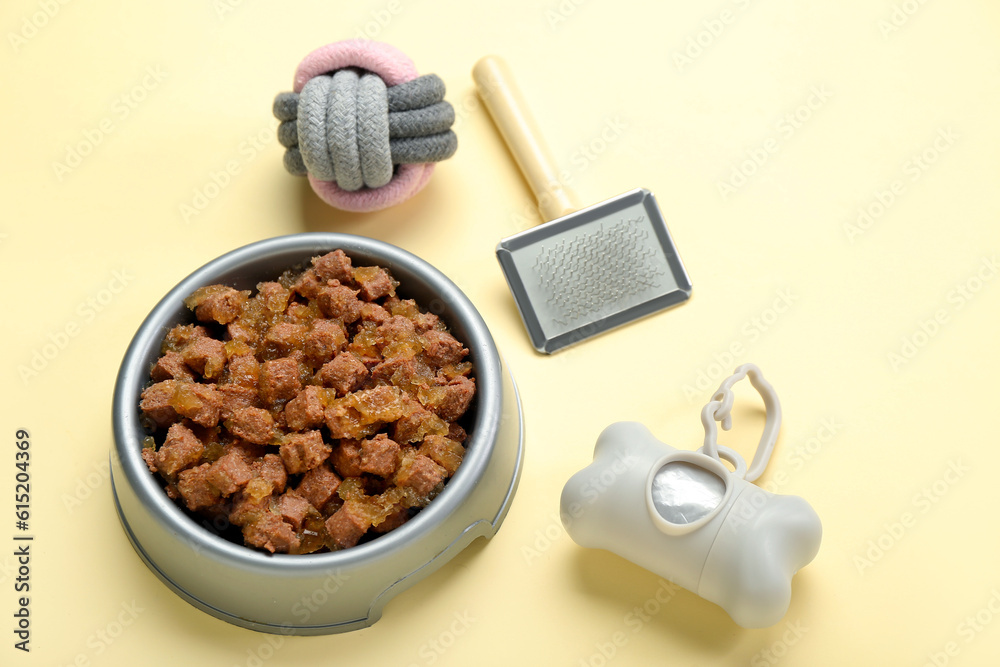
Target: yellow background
x=620, y=109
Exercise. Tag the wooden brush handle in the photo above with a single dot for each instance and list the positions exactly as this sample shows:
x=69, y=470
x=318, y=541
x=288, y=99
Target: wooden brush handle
x=510, y=113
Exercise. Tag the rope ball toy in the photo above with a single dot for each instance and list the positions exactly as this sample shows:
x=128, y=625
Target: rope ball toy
x=363, y=126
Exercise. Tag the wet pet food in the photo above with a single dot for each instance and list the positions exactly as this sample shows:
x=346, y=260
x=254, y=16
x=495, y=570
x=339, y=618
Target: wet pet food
x=318, y=412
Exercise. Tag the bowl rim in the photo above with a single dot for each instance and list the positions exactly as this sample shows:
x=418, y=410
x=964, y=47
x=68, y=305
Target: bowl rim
x=130, y=380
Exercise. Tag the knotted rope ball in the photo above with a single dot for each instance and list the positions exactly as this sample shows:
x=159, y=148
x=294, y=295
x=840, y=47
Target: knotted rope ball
x=362, y=126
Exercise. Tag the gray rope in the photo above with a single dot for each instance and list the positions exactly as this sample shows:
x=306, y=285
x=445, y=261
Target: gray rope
x=420, y=92
x=313, y=127
x=421, y=122
x=293, y=162
x=373, y=131
x=410, y=150
x=286, y=106
x=288, y=133
x=353, y=129
x=436, y=147
x=342, y=130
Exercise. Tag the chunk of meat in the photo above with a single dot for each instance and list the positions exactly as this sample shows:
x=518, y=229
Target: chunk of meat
x=270, y=532
x=242, y=332
x=379, y=455
x=372, y=312
x=445, y=452
x=235, y=348
x=397, y=328
x=229, y=474
x=284, y=337
x=308, y=284
x=247, y=450
x=171, y=366
x=382, y=372
x=271, y=469
x=452, y=371
x=345, y=421
x=346, y=458
x=420, y=473
x=449, y=401
x=215, y=439
x=149, y=456
x=457, y=433
x=195, y=489
x=362, y=413
x=318, y=486
x=303, y=451
x=417, y=424
x=294, y=509
x=247, y=508
x=244, y=370
x=233, y=397
x=366, y=342
x=424, y=322
x=305, y=410
x=300, y=313
x=339, y=302
x=252, y=424
x=324, y=341
x=198, y=402
x=407, y=373
x=346, y=526
x=374, y=282
x=334, y=265
x=181, y=335
x=279, y=380
x=273, y=296
x=344, y=374
x=396, y=518
x=206, y=356
x=398, y=338
x=155, y=402
x=441, y=348
x=217, y=303
x=380, y=404
x=181, y=449
x=405, y=307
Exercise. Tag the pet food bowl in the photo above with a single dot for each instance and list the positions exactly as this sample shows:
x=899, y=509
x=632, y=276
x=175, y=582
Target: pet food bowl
x=334, y=591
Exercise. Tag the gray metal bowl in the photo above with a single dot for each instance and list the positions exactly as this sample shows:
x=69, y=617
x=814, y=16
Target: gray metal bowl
x=329, y=592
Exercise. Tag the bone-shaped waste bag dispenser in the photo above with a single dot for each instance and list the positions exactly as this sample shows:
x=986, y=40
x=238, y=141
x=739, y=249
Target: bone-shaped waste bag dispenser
x=685, y=516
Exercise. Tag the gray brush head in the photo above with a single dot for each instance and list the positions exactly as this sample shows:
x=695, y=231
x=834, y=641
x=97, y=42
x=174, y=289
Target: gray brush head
x=593, y=270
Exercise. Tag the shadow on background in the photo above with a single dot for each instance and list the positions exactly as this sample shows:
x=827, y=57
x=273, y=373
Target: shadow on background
x=400, y=225
x=684, y=618
x=178, y=616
